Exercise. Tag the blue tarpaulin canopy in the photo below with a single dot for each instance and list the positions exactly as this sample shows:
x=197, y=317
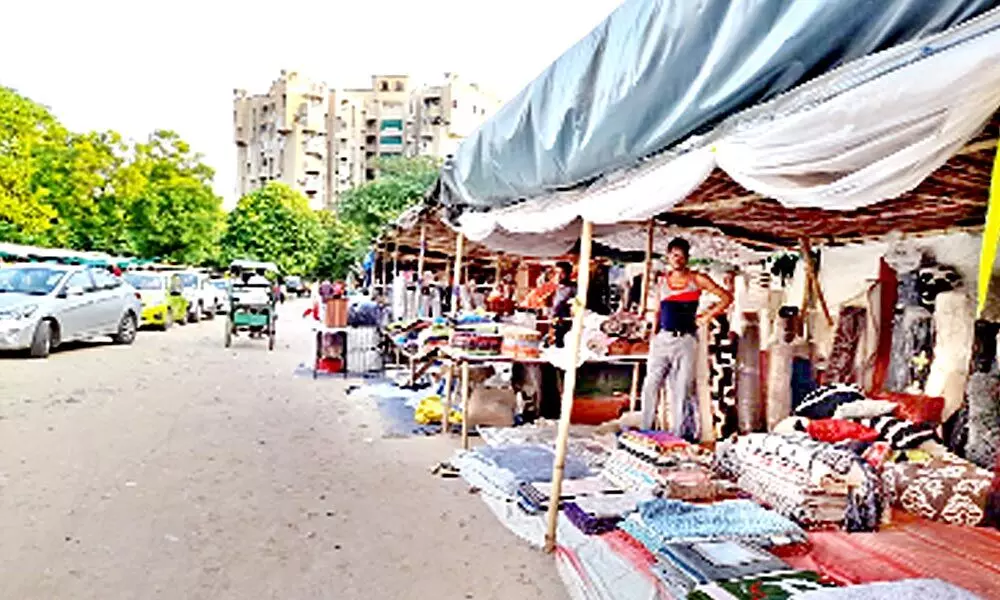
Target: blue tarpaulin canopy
x=657, y=76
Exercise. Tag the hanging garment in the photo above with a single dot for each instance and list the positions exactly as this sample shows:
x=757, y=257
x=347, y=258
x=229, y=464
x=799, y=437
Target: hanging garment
x=954, y=314
x=749, y=408
x=912, y=350
x=722, y=351
x=851, y=325
x=982, y=396
x=803, y=382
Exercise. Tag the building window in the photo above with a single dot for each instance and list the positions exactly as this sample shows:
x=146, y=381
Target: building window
x=384, y=86
x=474, y=109
x=454, y=103
x=391, y=140
x=399, y=86
x=391, y=124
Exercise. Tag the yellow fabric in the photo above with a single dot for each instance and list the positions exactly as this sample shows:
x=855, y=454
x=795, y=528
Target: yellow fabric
x=431, y=409
x=991, y=238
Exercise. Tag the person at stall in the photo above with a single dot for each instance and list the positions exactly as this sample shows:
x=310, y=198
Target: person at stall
x=675, y=346
x=562, y=302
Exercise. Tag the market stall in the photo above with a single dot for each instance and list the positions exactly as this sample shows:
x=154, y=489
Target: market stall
x=870, y=163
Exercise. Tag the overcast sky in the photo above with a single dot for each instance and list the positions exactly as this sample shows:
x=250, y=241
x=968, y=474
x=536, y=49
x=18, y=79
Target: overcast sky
x=137, y=66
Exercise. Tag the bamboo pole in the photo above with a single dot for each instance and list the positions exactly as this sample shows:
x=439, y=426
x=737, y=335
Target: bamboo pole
x=385, y=271
x=449, y=377
x=569, y=383
x=465, y=405
x=643, y=305
x=420, y=257
x=812, y=282
x=456, y=293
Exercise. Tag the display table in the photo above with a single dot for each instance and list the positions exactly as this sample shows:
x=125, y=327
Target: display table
x=453, y=358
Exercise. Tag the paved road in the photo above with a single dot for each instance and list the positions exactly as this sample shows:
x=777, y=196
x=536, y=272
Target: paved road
x=176, y=468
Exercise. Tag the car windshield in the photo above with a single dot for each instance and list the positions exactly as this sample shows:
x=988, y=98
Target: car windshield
x=292, y=281
x=144, y=282
x=37, y=281
x=221, y=284
x=188, y=280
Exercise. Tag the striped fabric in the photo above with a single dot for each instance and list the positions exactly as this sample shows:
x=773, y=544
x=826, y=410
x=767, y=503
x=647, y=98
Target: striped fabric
x=900, y=434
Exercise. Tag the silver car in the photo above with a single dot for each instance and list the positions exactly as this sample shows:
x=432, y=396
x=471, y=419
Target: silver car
x=43, y=305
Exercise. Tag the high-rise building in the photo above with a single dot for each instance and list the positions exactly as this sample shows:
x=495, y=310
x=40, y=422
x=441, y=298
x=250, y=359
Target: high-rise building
x=323, y=141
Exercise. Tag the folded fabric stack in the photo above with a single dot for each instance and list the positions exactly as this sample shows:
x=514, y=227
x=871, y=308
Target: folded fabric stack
x=630, y=472
x=521, y=342
x=815, y=483
x=663, y=521
x=601, y=513
x=478, y=342
x=945, y=488
x=435, y=336
x=682, y=567
x=504, y=467
x=533, y=497
x=772, y=586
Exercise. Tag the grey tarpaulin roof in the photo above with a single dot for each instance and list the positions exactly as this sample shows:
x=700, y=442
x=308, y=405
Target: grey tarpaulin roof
x=658, y=71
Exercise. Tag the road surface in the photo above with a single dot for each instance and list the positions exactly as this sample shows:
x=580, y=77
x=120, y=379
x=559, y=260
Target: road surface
x=176, y=468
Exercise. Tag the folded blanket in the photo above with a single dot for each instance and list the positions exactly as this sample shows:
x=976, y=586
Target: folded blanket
x=774, y=586
x=925, y=589
x=662, y=521
x=590, y=523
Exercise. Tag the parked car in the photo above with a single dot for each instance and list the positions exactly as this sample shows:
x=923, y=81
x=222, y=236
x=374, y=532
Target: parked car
x=222, y=285
x=44, y=305
x=295, y=285
x=204, y=299
x=163, y=302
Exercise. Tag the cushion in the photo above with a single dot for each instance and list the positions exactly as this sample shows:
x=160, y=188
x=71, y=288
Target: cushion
x=836, y=430
x=822, y=402
x=947, y=489
x=900, y=434
x=864, y=408
x=913, y=407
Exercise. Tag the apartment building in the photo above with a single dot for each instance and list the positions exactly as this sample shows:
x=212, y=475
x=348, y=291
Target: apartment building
x=323, y=141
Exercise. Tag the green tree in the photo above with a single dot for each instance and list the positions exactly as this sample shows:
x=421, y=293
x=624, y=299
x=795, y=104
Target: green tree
x=402, y=182
x=275, y=224
x=343, y=245
x=172, y=212
x=27, y=129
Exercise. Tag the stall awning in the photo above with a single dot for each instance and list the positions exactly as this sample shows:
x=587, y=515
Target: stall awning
x=674, y=102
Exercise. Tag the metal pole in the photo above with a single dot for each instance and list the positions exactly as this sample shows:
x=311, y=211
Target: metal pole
x=420, y=258
x=569, y=384
x=456, y=294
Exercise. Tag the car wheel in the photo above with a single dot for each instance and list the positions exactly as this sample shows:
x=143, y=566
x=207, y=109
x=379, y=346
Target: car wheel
x=41, y=342
x=168, y=320
x=195, y=315
x=126, y=330
x=211, y=312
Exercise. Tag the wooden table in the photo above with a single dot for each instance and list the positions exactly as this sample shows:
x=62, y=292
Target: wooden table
x=457, y=358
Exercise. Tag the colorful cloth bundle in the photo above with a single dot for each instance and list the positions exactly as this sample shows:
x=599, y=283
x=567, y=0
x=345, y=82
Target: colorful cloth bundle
x=632, y=473
x=809, y=481
x=661, y=521
x=684, y=566
x=476, y=342
x=773, y=586
x=589, y=522
x=521, y=342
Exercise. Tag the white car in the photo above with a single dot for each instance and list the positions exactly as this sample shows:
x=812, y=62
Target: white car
x=43, y=305
x=204, y=299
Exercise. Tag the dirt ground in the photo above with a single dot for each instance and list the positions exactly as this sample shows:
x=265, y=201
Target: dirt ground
x=176, y=468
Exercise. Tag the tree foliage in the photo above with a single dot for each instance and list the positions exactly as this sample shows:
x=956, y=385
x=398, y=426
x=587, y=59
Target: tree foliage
x=275, y=224
x=95, y=191
x=402, y=182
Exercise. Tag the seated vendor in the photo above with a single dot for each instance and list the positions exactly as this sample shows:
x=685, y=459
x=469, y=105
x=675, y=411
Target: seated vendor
x=675, y=346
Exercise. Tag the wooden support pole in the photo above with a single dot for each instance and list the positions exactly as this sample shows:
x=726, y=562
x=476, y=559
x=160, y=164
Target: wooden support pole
x=456, y=293
x=465, y=405
x=385, y=271
x=569, y=383
x=423, y=250
x=812, y=282
x=643, y=305
x=449, y=378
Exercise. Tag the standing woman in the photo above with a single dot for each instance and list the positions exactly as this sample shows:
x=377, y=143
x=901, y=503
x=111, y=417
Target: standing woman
x=674, y=349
